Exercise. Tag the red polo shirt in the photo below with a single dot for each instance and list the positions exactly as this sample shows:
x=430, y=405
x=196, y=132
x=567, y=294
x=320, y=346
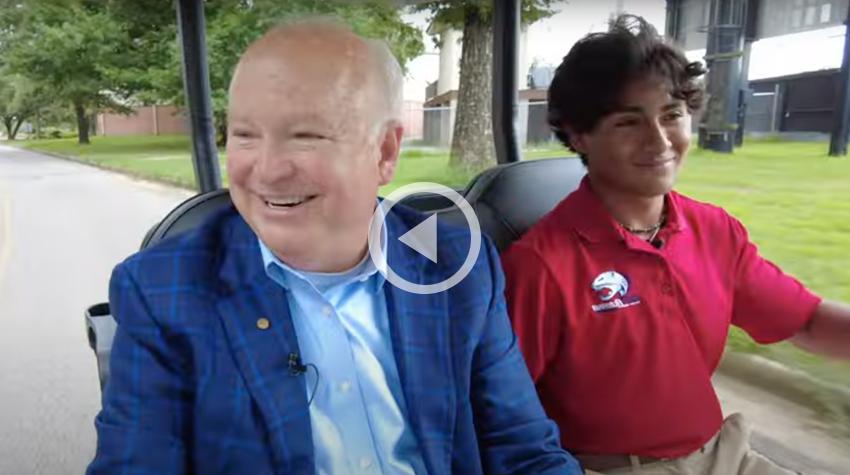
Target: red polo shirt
x=621, y=338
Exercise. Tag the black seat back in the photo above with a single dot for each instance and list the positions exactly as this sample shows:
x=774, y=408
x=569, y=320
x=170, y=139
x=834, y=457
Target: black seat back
x=187, y=215
x=508, y=199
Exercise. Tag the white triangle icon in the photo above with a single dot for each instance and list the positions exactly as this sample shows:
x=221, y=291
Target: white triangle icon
x=423, y=238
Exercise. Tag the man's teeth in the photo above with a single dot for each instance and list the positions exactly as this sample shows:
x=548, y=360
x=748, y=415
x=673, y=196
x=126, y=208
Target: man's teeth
x=287, y=202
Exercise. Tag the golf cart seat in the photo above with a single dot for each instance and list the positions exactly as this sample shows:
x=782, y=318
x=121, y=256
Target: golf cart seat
x=508, y=199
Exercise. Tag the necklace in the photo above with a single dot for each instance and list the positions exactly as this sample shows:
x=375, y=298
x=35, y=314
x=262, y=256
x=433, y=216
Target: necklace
x=652, y=230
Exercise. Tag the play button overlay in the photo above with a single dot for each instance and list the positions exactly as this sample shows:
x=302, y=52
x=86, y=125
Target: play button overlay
x=423, y=237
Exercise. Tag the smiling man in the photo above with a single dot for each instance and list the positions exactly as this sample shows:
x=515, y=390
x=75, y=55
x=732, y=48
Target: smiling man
x=267, y=341
x=623, y=295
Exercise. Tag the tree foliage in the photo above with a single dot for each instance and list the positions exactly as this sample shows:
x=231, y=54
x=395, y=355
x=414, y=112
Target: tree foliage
x=114, y=54
x=454, y=13
x=78, y=52
x=20, y=100
x=232, y=25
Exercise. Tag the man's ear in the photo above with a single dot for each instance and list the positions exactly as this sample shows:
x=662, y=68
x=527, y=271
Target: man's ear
x=390, y=148
x=577, y=140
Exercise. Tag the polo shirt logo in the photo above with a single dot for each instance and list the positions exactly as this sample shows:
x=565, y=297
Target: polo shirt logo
x=612, y=288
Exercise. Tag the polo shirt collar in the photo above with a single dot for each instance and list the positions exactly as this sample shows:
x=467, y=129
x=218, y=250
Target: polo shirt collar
x=585, y=212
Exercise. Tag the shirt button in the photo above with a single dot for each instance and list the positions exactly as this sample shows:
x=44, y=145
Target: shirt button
x=328, y=311
x=667, y=289
x=345, y=386
x=365, y=462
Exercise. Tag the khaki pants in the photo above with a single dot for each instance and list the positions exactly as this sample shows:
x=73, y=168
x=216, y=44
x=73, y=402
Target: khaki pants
x=728, y=453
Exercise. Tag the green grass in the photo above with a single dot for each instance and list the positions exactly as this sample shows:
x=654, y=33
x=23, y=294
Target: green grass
x=794, y=200
x=165, y=157
x=795, y=203
x=426, y=165
x=168, y=158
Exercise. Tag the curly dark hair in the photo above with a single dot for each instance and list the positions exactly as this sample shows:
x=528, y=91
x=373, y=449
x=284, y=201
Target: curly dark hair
x=590, y=81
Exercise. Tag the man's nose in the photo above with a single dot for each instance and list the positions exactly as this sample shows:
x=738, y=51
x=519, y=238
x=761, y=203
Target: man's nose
x=657, y=140
x=274, y=164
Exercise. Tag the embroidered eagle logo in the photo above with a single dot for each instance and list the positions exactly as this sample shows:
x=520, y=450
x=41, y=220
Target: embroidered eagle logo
x=610, y=284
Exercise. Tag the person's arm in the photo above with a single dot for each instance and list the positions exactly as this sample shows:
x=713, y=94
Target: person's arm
x=770, y=305
x=143, y=425
x=827, y=332
x=514, y=434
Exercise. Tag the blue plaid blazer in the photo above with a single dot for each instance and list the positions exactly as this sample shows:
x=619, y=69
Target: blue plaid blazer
x=197, y=387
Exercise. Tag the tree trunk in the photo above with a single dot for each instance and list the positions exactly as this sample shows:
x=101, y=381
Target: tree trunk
x=7, y=122
x=16, y=127
x=472, y=140
x=220, y=121
x=82, y=123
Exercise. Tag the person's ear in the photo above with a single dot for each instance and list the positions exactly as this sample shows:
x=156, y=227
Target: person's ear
x=390, y=148
x=577, y=140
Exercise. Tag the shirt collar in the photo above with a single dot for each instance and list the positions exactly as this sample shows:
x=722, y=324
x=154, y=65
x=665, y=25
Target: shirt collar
x=585, y=212
x=364, y=271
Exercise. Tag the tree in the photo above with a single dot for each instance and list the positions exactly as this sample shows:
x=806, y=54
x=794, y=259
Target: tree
x=20, y=99
x=78, y=52
x=233, y=25
x=472, y=139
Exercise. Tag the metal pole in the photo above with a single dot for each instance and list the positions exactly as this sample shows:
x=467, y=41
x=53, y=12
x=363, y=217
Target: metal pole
x=841, y=117
x=744, y=94
x=724, y=53
x=674, y=15
x=775, y=109
x=752, y=9
x=506, y=21
x=196, y=82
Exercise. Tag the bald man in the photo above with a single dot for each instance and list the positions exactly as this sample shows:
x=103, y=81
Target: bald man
x=267, y=341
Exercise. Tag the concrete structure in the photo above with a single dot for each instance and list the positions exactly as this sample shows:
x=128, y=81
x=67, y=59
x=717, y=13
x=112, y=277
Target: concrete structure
x=439, y=116
x=441, y=95
x=450, y=49
x=799, y=103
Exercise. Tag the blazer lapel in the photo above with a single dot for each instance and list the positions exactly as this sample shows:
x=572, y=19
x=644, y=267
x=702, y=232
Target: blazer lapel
x=421, y=340
x=261, y=348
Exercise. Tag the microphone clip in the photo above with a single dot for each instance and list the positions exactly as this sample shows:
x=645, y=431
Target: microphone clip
x=296, y=367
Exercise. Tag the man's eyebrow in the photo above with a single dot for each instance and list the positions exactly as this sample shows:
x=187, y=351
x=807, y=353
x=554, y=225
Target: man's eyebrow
x=672, y=105
x=627, y=109
x=639, y=110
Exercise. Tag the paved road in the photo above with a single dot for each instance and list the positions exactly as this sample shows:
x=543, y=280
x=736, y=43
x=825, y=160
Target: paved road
x=63, y=226
x=793, y=436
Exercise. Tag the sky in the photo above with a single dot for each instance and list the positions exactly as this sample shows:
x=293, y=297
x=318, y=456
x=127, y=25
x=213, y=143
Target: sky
x=551, y=38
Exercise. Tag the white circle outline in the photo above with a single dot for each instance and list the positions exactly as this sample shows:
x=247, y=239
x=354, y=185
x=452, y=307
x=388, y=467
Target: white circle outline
x=376, y=230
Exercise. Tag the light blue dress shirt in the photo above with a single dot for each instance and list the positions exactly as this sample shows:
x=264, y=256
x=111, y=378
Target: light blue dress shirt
x=358, y=413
